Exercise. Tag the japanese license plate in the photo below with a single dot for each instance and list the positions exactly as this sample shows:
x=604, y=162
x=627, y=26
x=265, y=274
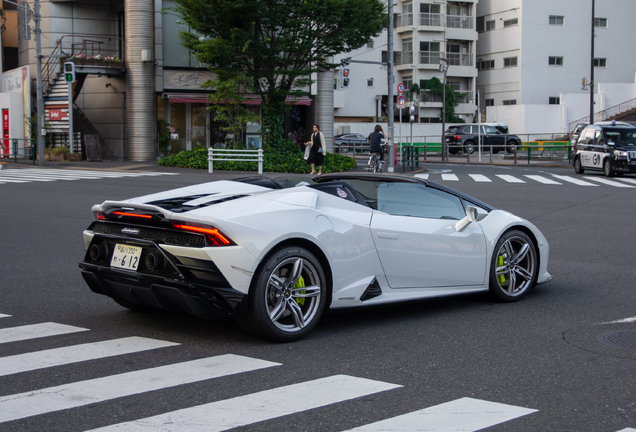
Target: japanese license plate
x=126, y=257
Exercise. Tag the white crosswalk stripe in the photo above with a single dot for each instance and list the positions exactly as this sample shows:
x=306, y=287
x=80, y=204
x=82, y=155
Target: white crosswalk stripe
x=573, y=180
x=73, y=395
x=4, y=316
x=509, y=178
x=542, y=179
x=449, y=177
x=480, y=178
x=422, y=176
x=627, y=180
x=465, y=414
x=609, y=182
x=33, y=331
x=77, y=353
x=256, y=407
x=50, y=175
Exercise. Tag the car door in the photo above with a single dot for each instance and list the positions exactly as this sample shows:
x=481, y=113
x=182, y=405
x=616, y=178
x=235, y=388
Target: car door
x=493, y=138
x=419, y=247
x=590, y=157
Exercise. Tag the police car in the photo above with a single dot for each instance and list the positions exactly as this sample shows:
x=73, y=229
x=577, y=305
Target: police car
x=608, y=146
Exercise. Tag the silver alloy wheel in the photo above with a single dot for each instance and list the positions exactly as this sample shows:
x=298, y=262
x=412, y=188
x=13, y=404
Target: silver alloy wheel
x=515, y=266
x=292, y=294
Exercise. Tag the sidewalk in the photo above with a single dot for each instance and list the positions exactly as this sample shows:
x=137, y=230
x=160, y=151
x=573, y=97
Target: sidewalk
x=431, y=158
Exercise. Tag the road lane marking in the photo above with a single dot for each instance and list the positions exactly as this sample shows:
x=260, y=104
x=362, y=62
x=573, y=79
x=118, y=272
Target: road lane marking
x=33, y=331
x=609, y=182
x=449, y=177
x=576, y=181
x=77, y=353
x=480, y=178
x=4, y=316
x=32, y=403
x=509, y=178
x=422, y=176
x=627, y=180
x=465, y=414
x=257, y=407
x=542, y=179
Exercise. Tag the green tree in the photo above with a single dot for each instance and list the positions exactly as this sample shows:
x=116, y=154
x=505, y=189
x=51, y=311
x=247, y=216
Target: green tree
x=435, y=87
x=228, y=104
x=278, y=44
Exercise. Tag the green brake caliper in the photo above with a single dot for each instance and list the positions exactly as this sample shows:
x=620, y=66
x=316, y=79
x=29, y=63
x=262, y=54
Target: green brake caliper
x=300, y=284
x=500, y=262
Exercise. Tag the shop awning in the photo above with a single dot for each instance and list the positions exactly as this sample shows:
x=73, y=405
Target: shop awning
x=199, y=98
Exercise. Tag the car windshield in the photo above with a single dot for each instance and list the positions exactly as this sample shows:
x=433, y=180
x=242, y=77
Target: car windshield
x=621, y=136
x=453, y=129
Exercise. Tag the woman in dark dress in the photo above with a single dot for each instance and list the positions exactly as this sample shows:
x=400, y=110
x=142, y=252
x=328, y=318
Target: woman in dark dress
x=317, y=150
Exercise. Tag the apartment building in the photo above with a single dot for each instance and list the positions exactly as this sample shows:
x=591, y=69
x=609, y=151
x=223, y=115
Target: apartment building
x=426, y=33
x=535, y=53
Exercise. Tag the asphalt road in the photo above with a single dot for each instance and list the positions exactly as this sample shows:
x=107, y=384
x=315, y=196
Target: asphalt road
x=541, y=353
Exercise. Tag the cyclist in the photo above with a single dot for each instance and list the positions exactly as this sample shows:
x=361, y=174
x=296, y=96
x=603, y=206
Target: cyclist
x=375, y=141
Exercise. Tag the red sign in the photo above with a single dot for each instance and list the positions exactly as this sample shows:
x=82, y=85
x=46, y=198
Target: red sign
x=400, y=88
x=400, y=101
x=55, y=114
x=5, y=132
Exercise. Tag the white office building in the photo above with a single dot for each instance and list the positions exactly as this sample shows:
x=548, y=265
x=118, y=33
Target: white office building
x=533, y=54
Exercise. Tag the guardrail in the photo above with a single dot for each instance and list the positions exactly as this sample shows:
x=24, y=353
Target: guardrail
x=233, y=155
x=28, y=152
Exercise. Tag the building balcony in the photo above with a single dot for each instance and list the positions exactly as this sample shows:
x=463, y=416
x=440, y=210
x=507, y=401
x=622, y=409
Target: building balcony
x=456, y=59
x=460, y=22
x=404, y=22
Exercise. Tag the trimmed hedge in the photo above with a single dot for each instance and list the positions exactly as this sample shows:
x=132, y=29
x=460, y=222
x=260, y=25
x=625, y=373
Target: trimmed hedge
x=287, y=158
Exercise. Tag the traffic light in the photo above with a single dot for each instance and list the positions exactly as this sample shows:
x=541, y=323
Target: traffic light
x=69, y=72
x=344, y=77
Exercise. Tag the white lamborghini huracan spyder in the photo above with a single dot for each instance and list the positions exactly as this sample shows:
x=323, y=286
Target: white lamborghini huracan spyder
x=275, y=253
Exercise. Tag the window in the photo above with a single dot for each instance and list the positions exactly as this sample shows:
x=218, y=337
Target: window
x=407, y=81
x=370, y=44
x=454, y=85
x=510, y=102
x=429, y=52
x=407, y=7
x=485, y=64
x=511, y=22
x=429, y=8
x=407, y=45
x=555, y=61
x=510, y=62
x=417, y=200
x=556, y=20
x=600, y=22
x=370, y=82
x=490, y=102
x=554, y=100
x=430, y=120
x=600, y=62
x=335, y=84
x=480, y=24
x=429, y=46
x=490, y=25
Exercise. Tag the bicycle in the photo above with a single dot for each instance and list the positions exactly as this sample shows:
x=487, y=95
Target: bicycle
x=376, y=165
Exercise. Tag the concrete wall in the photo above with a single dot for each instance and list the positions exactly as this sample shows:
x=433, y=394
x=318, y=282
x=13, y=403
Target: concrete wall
x=527, y=119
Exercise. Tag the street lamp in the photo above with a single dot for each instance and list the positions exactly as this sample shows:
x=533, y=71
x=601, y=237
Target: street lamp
x=443, y=67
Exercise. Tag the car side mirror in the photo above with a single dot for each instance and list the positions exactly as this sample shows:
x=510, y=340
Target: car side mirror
x=472, y=215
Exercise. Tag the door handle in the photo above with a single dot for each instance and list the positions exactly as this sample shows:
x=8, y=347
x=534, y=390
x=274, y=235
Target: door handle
x=387, y=236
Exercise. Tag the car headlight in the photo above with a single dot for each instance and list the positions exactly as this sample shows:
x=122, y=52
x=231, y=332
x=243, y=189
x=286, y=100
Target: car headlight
x=620, y=153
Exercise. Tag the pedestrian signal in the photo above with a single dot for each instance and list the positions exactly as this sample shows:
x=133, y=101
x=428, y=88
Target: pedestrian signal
x=69, y=72
x=344, y=78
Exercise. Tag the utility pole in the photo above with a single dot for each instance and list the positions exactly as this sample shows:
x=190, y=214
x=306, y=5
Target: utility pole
x=38, y=65
x=592, y=71
x=391, y=82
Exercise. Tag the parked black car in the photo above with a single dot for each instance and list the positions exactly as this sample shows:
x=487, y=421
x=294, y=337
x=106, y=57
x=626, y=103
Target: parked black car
x=463, y=138
x=345, y=143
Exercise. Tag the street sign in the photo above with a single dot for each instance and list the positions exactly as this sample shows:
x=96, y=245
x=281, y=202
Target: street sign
x=400, y=88
x=400, y=101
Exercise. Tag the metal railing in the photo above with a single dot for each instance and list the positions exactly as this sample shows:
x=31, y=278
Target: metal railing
x=430, y=57
x=404, y=20
x=456, y=59
x=114, y=47
x=459, y=21
x=533, y=147
x=606, y=113
x=432, y=19
x=404, y=57
x=233, y=155
x=9, y=149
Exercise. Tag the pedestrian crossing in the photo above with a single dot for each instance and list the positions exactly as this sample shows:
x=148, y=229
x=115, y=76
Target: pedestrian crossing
x=465, y=414
x=30, y=175
x=546, y=179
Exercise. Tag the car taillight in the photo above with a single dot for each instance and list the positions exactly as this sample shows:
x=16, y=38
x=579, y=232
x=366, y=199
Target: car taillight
x=457, y=138
x=99, y=216
x=213, y=235
x=135, y=215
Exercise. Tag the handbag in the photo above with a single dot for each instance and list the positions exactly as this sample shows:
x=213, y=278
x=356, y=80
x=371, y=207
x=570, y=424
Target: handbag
x=307, y=150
